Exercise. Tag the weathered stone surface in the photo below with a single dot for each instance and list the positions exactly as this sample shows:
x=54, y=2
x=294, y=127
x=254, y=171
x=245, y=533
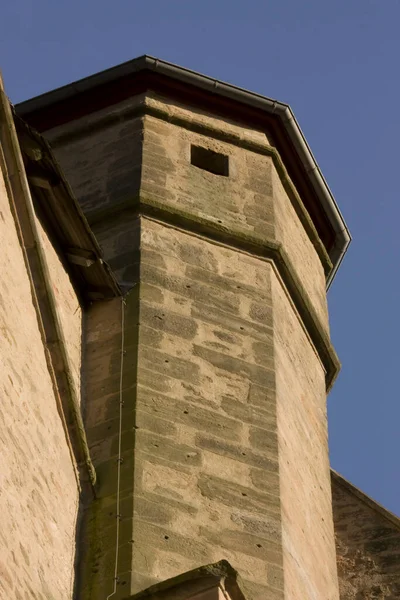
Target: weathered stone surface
x=115, y=154
x=189, y=414
x=259, y=375
x=167, y=321
x=181, y=396
x=203, y=392
x=152, y=157
x=367, y=545
x=259, y=416
x=238, y=496
x=251, y=545
x=223, y=412
x=240, y=453
x=303, y=459
x=69, y=311
x=39, y=490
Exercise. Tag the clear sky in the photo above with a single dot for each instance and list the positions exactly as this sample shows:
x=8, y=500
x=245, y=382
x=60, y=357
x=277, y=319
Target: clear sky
x=337, y=64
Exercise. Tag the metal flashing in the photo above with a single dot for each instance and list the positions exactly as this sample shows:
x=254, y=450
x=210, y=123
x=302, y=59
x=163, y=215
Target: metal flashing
x=279, y=110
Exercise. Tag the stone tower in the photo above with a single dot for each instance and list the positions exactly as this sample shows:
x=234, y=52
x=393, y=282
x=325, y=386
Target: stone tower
x=204, y=386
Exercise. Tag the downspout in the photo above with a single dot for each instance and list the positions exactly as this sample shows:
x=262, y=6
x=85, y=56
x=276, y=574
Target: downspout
x=44, y=299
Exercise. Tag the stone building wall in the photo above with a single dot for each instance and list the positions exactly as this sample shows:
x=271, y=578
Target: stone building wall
x=303, y=459
x=206, y=369
x=38, y=485
x=249, y=203
x=367, y=545
x=149, y=156
x=68, y=309
x=222, y=384
x=215, y=366
x=200, y=490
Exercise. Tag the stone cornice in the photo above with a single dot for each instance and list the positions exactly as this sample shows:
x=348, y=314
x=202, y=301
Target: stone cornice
x=209, y=582
x=242, y=242
x=145, y=107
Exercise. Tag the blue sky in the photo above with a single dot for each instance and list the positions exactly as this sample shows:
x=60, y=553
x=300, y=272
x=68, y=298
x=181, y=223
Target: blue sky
x=337, y=65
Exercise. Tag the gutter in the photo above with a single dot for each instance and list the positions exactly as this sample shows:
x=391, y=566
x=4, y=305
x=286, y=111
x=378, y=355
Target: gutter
x=285, y=113
x=43, y=297
x=214, y=86
x=331, y=209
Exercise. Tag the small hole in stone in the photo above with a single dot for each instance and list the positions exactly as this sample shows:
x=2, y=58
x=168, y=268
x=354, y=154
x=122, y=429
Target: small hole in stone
x=185, y=412
x=166, y=537
x=188, y=286
x=210, y=161
x=166, y=361
x=243, y=494
x=219, y=221
x=258, y=545
x=242, y=329
x=243, y=453
x=155, y=445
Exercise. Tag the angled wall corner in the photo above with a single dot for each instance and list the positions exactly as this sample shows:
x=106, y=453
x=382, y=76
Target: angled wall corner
x=226, y=355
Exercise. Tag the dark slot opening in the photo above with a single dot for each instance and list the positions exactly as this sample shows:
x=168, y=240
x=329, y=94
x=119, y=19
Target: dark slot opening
x=210, y=161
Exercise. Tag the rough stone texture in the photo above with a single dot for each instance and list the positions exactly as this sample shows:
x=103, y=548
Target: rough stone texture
x=224, y=437
x=205, y=344
x=295, y=241
x=308, y=538
x=222, y=392
x=367, y=545
x=251, y=200
x=242, y=202
x=206, y=366
x=38, y=488
x=112, y=152
x=218, y=581
x=68, y=309
x=200, y=413
x=201, y=491
x=102, y=367
x=132, y=156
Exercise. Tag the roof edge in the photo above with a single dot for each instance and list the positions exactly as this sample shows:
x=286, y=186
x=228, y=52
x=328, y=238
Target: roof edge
x=370, y=502
x=37, y=151
x=227, y=90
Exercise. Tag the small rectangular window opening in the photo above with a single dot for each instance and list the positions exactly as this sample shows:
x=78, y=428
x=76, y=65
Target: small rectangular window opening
x=210, y=161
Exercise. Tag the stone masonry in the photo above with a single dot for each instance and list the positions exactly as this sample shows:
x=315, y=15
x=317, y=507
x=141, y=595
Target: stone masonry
x=39, y=491
x=367, y=545
x=170, y=428
x=226, y=357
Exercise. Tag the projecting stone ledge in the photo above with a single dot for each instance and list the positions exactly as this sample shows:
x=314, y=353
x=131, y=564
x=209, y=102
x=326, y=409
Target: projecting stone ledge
x=218, y=581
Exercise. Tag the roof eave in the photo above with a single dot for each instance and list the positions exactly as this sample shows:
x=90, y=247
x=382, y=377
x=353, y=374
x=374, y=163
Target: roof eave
x=214, y=86
x=61, y=206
